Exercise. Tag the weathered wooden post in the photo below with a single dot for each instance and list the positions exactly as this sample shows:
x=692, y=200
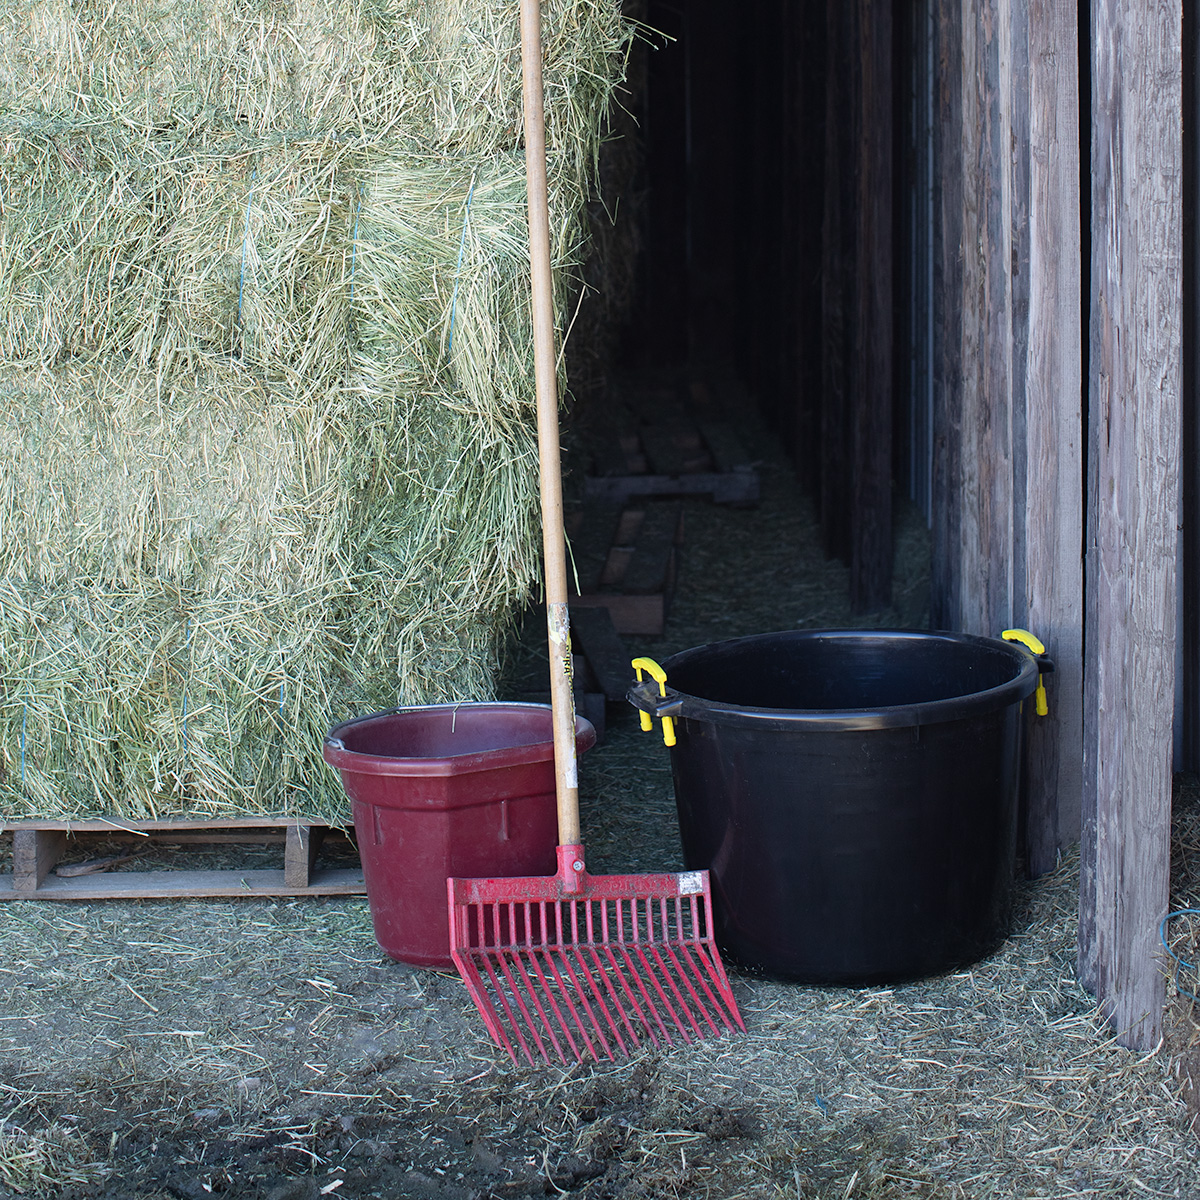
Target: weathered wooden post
x=1007, y=481
x=1134, y=435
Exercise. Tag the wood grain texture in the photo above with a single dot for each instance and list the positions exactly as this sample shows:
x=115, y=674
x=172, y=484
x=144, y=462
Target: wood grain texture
x=34, y=854
x=146, y=885
x=1050, y=493
x=950, y=233
x=1134, y=439
x=1008, y=511
x=837, y=249
x=871, y=363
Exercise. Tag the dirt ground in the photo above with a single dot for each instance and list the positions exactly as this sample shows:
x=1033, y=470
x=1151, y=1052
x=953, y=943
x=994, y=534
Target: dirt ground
x=269, y=1050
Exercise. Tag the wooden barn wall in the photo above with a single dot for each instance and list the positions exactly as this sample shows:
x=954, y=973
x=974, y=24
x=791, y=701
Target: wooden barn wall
x=1135, y=426
x=1007, y=517
x=855, y=424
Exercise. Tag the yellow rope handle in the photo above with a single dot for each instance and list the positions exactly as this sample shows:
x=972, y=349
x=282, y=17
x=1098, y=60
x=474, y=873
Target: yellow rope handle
x=660, y=677
x=1027, y=639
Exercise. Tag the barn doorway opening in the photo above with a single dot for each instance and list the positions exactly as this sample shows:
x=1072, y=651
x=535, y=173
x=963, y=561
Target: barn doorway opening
x=782, y=206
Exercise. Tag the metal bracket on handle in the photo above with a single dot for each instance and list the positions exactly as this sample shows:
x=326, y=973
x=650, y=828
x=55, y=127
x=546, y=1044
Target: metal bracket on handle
x=660, y=677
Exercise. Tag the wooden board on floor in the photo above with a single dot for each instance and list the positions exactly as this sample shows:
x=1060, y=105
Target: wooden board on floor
x=632, y=578
x=38, y=847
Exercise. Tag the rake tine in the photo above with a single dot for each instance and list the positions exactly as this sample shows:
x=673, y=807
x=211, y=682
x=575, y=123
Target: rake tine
x=514, y=1024
x=564, y=1023
x=712, y=971
x=682, y=1011
x=641, y=948
x=531, y=951
x=562, y=948
x=583, y=1000
x=556, y=954
x=476, y=986
x=486, y=1010
x=682, y=974
x=514, y=951
x=638, y=976
x=503, y=956
x=697, y=965
x=632, y=972
x=684, y=946
x=598, y=966
x=614, y=1001
x=532, y=991
x=615, y=971
x=564, y=1020
x=698, y=1005
x=712, y=968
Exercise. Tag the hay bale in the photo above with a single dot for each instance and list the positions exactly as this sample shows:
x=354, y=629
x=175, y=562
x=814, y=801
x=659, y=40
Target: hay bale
x=267, y=449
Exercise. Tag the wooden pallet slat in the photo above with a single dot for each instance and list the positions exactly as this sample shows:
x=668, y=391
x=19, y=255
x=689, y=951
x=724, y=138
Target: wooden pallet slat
x=675, y=449
x=39, y=845
x=639, y=568
x=672, y=454
x=593, y=631
x=651, y=566
x=592, y=533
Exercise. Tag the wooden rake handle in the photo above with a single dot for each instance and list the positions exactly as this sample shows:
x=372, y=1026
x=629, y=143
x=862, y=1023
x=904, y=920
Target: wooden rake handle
x=562, y=699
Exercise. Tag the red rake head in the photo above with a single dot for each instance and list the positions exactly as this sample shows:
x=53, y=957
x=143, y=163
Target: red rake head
x=576, y=966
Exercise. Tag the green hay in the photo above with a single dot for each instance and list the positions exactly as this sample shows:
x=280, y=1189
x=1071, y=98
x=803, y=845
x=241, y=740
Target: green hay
x=267, y=451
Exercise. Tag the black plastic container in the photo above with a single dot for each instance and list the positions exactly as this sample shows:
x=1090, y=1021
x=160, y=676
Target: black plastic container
x=853, y=795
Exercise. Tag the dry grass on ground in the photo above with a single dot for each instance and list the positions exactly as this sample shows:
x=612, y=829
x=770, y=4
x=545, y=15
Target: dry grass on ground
x=269, y=1049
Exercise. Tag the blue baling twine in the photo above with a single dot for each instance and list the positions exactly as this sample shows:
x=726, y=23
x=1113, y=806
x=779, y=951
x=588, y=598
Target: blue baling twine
x=353, y=262
x=1180, y=962
x=24, y=718
x=462, y=243
x=245, y=244
x=185, y=695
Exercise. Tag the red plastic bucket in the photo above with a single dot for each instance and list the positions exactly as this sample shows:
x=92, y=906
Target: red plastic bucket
x=446, y=789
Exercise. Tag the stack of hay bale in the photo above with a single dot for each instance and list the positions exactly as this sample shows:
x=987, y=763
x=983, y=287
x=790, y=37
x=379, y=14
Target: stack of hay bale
x=268, y=455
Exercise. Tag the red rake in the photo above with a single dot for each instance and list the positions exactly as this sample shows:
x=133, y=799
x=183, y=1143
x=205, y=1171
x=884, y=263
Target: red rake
x=576, y=965
x=572, y=965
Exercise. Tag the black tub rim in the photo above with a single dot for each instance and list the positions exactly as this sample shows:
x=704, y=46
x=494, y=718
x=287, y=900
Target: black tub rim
x=954, y=708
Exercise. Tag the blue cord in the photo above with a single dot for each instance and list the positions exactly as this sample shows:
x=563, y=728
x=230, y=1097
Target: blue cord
x=1180, y=962
x=353, y=257
x=188, y=646
x=245, y=243
x=462, y=243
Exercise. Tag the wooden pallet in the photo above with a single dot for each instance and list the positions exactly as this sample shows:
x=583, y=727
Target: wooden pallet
x=606, y=658
x=673, y=449
x=625, y=561
x=39, y=846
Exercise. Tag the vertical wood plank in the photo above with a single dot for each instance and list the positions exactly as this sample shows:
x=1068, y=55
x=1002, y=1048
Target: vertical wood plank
x=949, y=240
x=986, y=548
x=1008, y=378
x=871, y=384
x=1134, y=430
x=1189, y=718
x=299, y=854
x=1050, y=494
x=974, y=544
x=837, y=310
x=807, y=65
x=35, y=853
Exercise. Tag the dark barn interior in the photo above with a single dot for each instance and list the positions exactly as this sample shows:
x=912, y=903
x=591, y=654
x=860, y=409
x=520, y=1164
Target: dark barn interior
x=771, y=238
x=881, y=220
